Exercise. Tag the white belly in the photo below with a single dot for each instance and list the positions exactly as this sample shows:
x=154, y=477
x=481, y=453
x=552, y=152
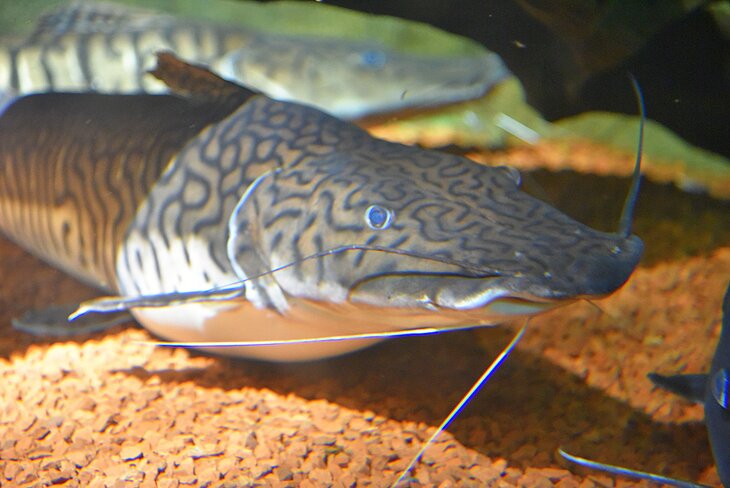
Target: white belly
x=239, y=321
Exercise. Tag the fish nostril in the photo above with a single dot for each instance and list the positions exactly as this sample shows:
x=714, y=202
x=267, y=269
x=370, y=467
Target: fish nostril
x=512, y=173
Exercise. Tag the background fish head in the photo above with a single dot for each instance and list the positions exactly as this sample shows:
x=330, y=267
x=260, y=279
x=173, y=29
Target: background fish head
x=354, y=79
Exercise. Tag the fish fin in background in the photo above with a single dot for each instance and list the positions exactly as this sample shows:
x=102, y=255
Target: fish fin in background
x=197, y=82
x=717, y=413
x=714, y=394
x=690, y=386
x=53, y=321
x=713, y=390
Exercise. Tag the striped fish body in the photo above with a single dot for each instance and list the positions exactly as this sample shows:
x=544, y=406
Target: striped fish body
x=115, y=60
x=132, y=194
x=324, y=227
x=75, y=168
x=108, y=48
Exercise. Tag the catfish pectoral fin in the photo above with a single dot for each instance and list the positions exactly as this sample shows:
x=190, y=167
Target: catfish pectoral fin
x=53, y=321
x=113, y=305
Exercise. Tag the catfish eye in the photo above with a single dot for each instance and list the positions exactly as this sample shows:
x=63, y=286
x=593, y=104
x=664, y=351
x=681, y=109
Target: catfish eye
x=378, y=218
x=511, y=173
x=719, y=386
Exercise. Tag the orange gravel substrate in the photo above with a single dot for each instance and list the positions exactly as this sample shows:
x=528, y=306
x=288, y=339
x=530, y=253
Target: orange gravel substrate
x=105, y=410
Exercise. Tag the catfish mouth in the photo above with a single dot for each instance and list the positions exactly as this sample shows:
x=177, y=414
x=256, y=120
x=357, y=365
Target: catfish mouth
x=485, y=298
x=505, y=293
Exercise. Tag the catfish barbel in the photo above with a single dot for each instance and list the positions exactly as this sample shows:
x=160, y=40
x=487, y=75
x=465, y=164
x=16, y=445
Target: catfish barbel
x=310, y=226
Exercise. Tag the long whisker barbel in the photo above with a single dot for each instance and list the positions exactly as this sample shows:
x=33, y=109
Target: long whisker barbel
x=462, y=403
x=420, y=331
x=627, y=213
x=235, y=290
x=477, y=271
x=630, y=473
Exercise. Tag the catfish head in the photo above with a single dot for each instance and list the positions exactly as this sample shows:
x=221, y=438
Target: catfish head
x=397, y=227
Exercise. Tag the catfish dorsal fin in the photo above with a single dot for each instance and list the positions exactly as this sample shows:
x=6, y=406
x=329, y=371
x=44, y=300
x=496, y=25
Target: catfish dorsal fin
x=197, y=82
x=83, y=17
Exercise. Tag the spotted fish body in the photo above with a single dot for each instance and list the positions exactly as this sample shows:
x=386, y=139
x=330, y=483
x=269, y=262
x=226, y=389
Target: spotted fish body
x=146, y=195
x=109, y=48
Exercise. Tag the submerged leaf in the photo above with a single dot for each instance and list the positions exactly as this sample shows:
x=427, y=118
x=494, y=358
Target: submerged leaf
x=668, y=156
